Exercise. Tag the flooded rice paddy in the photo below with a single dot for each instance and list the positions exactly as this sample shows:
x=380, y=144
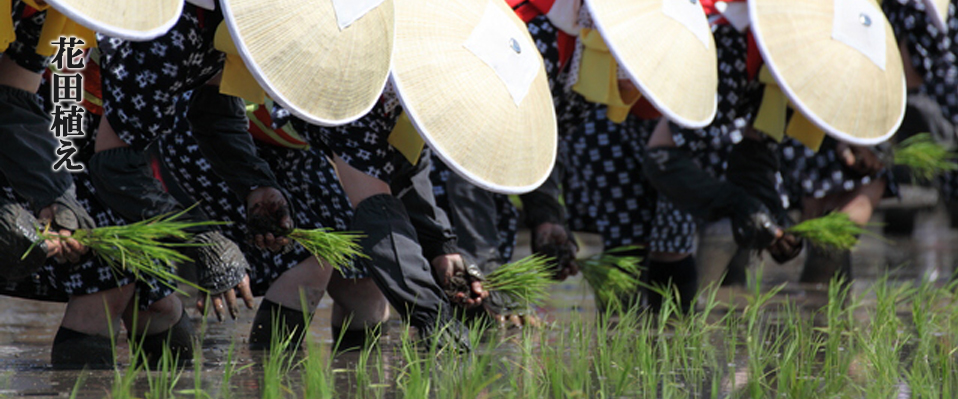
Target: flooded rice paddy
x=893, y=337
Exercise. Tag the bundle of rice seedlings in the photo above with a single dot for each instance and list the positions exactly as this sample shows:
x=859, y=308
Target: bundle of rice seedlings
x=525, y=280
x=612, y=274
x=925, y=157
x=834, y=230
x=337, y=248
x=146, y=248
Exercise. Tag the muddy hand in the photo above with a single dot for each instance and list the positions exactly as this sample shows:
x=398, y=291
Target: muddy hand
x=228, y=300
x=860, y=160
x=555, y=241
x=462, y=284
x=268, y=218
x=64, y=249
x=785, y=248
x=515, y=320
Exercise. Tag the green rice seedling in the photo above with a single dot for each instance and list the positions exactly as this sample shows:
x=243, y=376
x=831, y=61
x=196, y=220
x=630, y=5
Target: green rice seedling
x=794, y=375
x=615, y=360
x=279, y=361
x=566, y=361
x=317, y=372
x=834, y=230
x=612, y=274
x=882, y=343
x=839, y=342
x=760, y=342
x=924, y=157
x=699, y=358
x=337, y=248
x=645, y=360
x=81, y=379
x=163, y=380
x=470, y=375
x=525, y=280
x=230, y=369
x=124, y=379
x=415, y=380
x=316, y=367
x=923, y=373
x=524, y=379
x=145, y=248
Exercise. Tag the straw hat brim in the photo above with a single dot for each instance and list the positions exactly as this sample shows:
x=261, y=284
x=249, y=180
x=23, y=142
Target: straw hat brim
x=678, y=75
x=461, y=107
x=300, y=57
x=836, y=87
x=131, y=20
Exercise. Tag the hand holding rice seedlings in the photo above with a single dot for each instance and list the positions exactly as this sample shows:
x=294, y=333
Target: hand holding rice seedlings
x=925, y=157
x=524, y=280
x=612, y=274
x=337, y=248
x=146, y=248
x=834, y=230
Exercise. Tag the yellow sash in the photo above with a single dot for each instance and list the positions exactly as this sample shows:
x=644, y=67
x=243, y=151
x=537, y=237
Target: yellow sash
x=405, y=139
x=237, y=80
x=598, y=77
x=772, y=114
x=55, y=26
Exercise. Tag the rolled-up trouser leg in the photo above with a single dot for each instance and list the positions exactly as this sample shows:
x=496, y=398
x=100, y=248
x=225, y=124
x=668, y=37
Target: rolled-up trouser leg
x=752, y=165
x=220, y=126
x=124, y=182
x=414, y=188
x=692, y=189
x=404, y=276
x=28, y=149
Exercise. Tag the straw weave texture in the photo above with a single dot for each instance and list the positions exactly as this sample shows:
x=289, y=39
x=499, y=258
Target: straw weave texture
x=297, y=52
x=837, y=87
x=459, y=104
x=109, y=16
x=669, y=64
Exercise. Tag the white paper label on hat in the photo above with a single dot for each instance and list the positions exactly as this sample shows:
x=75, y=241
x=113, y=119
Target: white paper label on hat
x=861, y=25
x=207, y=4
x=349, y=11
x=506, y=48
x=691, y=15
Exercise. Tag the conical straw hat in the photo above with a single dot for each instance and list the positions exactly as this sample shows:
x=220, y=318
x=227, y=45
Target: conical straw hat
x=666, y=47
x=840, y=66
x=490, y=117
x=311, y=57
x=136, y=20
